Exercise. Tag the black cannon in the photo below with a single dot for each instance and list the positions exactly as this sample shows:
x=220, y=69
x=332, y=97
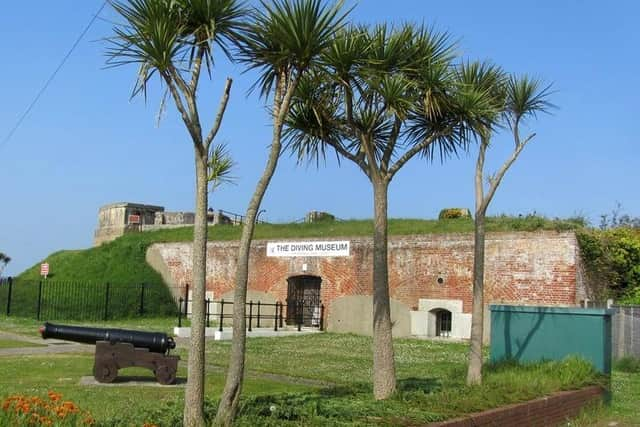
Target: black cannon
x=120, y=348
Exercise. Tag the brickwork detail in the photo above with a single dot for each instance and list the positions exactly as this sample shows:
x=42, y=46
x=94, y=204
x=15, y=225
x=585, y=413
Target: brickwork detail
x=547, y=411
x=521, y=268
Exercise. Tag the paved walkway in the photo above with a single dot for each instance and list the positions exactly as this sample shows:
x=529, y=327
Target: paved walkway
x=50, y=346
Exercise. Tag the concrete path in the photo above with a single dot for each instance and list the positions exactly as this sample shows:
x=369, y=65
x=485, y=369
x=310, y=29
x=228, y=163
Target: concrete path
x=227, y=332
x=279, y=378
x=50, y=346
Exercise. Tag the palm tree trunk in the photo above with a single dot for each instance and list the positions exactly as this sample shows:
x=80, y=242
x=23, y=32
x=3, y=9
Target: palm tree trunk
x=194, y=394
x=474, y=373
x=228, y=407
x=384, y=371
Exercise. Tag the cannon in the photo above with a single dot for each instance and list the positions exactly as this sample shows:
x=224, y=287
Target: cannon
x=121, y=348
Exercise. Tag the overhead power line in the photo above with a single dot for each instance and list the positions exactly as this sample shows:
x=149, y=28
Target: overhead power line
x=52, y=76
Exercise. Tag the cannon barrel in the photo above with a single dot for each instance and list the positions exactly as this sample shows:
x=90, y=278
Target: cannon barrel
x=156, y=342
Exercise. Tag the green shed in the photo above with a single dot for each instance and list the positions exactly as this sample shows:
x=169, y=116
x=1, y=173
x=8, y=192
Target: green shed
x=531, y=333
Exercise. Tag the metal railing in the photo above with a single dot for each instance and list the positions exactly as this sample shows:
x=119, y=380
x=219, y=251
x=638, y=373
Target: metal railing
x=238, y=219
x=257, y=314
x=47, y=299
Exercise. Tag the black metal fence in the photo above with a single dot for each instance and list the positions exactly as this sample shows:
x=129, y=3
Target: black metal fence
x=55, y=300
x=258, y=314
x=51, y=300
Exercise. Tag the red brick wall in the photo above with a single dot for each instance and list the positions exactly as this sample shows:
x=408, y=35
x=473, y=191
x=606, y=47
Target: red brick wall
x=553, y=410
x=538, y=268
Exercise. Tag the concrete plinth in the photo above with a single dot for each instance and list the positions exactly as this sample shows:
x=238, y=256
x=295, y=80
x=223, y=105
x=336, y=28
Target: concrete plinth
x=227, y=333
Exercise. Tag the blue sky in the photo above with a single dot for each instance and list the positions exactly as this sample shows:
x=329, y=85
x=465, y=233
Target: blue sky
x=86, y=144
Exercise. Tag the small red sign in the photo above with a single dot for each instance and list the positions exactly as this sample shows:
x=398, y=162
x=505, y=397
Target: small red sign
x=44, y=269
x=134, y=219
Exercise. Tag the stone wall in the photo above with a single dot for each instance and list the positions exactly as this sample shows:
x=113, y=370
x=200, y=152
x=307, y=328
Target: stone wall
x=174, y=218
x=113, y=220
x=521, y=268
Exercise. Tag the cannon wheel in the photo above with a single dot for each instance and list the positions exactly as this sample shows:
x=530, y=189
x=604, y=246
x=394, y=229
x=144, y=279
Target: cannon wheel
x=165, y=375
x=105, y=372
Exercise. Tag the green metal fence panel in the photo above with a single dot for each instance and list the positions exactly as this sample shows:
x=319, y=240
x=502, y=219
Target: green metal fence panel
x=528, y=334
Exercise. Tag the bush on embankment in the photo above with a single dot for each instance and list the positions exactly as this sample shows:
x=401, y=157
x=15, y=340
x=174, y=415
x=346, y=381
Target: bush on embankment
x=612, y=263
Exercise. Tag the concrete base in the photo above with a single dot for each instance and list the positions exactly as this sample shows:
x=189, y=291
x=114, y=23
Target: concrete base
x=185, y=332
x=128, y=381
x=227, y=333
x=354, y=314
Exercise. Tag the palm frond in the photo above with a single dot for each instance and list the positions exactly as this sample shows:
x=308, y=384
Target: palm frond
x=212, y=22
x=149, y=37
x=220, y=167
x=288, y=35
x=347, y=52
x=526, y=97
x=4, y=258
x=313, y=122
x=482, y=94
x=162, y=35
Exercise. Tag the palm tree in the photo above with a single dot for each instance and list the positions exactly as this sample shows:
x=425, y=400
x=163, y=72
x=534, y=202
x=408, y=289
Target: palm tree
x=173, y=40
x=4, y=260
x=383, y=96
x=515, y=100
x=283, y=41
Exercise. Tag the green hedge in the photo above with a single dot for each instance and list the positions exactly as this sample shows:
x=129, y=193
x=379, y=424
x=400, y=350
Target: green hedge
x=612, y=261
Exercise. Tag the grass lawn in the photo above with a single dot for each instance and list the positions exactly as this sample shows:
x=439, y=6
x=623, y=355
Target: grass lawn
x=626, y=398
x=37, y=374
x=624, y=409
x=315, y=380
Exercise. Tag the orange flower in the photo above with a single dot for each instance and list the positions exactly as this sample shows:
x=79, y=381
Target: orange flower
x=70, y=406
x=54, y=396
x=22, y=407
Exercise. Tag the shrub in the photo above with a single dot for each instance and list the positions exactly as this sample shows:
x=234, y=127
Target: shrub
x=628, y=364
x=453, y=213
x=612, y=263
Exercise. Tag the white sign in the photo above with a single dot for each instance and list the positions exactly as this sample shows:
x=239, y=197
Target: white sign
x=309, y=249
x=44, y=269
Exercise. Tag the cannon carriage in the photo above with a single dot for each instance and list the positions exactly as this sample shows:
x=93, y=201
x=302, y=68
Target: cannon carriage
x=120, y=348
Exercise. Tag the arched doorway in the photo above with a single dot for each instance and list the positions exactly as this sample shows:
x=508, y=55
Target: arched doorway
x=303, y=300
x=442, y=322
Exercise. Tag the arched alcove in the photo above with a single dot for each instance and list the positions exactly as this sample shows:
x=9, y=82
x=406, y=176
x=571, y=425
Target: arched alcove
x=440, y=323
